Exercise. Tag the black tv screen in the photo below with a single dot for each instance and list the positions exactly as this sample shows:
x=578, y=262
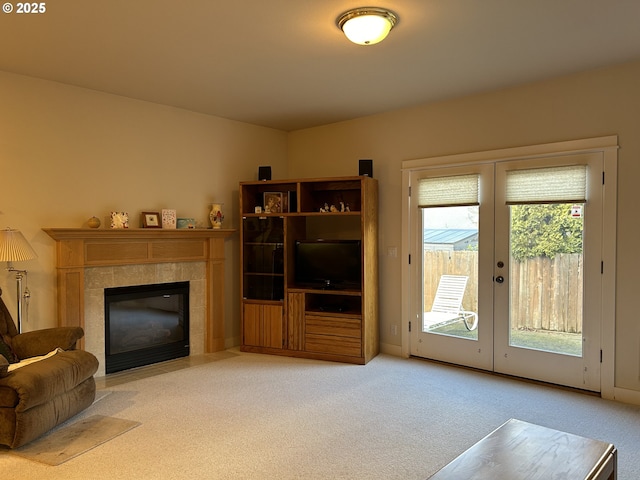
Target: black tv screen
x=328, y=264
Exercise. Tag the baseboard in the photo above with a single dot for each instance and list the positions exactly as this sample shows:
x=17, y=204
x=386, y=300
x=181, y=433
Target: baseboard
x=626, y=396
x=395, y=350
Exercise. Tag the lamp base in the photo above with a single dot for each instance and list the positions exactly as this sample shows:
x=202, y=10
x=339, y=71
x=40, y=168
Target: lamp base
x=21, y=295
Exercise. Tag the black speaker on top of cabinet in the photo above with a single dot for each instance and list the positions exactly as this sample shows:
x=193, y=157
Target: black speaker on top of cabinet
x=264, y=173
x=365, y=168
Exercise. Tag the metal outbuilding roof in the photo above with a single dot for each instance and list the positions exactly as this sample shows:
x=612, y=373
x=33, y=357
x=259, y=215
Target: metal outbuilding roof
x=447, y=235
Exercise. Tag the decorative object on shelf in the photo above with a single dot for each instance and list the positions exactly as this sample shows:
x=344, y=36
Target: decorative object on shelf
x=272, y=202
x=215, y=215
x=291, y=202
x=338, y=206
x=93, y=222
x=119, y=220
x=186, y=223
x=169, y=219
x=326, y=208
x=151, y=220
x=15, y=248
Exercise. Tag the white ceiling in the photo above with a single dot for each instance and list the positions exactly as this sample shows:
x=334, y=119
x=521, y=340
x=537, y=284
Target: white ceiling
x=285, y=64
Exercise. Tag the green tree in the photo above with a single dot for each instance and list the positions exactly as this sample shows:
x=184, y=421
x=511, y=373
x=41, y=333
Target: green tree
x=544, y=231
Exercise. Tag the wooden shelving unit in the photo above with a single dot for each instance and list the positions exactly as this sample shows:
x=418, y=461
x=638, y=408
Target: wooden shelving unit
x=283, y=318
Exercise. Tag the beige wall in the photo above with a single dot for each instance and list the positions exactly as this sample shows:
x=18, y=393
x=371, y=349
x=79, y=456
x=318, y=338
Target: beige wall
x=592, y=104
x=68, y=153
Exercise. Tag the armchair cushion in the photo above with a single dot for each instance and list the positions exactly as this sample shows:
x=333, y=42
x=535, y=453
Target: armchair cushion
x=40, y=382
x=41, y=342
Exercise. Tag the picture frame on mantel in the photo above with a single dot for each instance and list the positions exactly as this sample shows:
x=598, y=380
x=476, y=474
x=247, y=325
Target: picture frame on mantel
x=169, y=218
x=151, y=220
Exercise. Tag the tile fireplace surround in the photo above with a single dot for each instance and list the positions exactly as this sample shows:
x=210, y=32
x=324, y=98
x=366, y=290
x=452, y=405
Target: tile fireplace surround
x=90, y=260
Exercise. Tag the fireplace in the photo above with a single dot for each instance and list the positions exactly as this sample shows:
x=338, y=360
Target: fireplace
x=145, y=324
x=88, y=260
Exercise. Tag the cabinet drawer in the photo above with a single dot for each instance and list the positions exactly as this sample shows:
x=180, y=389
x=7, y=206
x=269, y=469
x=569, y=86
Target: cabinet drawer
x=338, y=326
x=332, y=344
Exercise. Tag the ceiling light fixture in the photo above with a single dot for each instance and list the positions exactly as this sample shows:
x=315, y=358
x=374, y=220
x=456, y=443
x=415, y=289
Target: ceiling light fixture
x=367, y=25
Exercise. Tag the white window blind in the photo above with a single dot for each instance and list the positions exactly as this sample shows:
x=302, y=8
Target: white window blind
x=448, y=191
x=547, y=185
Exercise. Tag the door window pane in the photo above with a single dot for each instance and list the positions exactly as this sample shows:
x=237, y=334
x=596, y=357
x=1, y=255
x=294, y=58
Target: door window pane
x=546, y=277
x=450, y=271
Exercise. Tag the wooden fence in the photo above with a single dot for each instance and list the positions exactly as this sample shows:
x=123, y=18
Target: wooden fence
x=546, y=293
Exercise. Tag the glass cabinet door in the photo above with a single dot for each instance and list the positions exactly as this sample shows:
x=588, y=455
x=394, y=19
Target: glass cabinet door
x=263, y=258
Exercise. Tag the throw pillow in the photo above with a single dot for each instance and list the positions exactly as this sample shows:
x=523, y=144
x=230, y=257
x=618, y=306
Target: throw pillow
x=7, y=352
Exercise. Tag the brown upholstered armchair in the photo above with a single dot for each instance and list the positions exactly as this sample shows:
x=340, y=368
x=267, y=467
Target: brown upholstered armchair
x=40, y=395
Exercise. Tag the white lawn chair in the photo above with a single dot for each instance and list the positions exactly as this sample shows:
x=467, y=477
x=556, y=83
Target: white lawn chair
x=447, y=304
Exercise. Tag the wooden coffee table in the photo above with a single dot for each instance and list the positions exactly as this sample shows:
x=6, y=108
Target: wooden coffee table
x=519, y=450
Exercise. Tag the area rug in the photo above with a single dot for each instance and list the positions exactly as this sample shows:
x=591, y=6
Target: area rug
x=70, y=441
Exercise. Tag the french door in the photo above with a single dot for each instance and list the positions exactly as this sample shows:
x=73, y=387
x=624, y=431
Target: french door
x=506, y=267
x=453, y=240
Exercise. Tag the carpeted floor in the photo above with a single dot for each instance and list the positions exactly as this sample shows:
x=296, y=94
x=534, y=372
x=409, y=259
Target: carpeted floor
x=265, y=417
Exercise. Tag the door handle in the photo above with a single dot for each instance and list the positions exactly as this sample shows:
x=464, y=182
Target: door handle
x=500, y=279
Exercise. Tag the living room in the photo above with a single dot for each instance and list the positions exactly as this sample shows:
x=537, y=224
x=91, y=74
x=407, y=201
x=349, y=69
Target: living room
x=70, y=153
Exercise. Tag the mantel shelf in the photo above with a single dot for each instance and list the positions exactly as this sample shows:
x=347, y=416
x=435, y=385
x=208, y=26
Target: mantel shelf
x=136, y=233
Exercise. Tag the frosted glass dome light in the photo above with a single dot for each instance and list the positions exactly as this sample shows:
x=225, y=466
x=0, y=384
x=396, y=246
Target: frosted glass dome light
x=367, y=25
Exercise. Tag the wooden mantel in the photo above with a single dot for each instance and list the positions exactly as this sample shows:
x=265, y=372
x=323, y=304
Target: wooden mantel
x=79, y=248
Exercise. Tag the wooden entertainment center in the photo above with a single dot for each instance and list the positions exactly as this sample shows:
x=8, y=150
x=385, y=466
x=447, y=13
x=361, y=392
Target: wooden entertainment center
x=284, y=317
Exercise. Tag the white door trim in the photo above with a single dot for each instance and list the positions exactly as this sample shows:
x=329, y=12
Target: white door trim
x=609, y=147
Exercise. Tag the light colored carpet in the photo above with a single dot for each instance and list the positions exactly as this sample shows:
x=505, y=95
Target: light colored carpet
x=100, y=394
x=266, y=417
x=69, y=441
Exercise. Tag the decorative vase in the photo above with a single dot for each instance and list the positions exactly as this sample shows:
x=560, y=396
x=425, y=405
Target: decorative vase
x=93, y=222
x=216, y=216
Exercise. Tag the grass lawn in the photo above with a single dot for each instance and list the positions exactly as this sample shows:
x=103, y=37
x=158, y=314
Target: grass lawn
x=566, y=343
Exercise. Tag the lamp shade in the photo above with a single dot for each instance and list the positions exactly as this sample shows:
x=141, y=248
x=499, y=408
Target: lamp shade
x=367, y=25
x=14, y=247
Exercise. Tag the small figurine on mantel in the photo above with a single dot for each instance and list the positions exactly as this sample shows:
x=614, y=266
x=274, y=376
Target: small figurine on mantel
x=333, y=209
x=324, y=208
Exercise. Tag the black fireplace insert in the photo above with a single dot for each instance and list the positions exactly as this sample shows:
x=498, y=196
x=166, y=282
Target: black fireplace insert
x=145, y=324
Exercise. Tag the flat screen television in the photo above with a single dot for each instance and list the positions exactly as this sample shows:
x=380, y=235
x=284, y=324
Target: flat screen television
x=330, y=264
